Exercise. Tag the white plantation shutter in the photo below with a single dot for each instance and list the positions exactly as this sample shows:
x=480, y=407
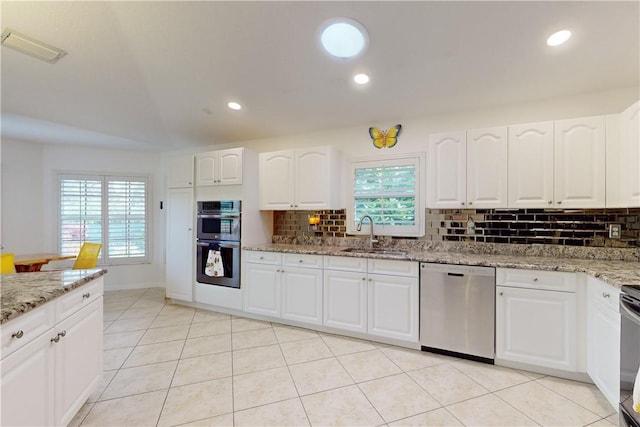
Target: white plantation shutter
x=80, y=212
x=127, y=213
x=111, y=210
x=388, y=191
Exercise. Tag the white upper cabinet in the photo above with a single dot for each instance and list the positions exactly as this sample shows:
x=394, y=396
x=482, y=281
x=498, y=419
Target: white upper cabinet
x=630, y=138
x=487, y=168
x=223, y=167
x=302, y=179
x=180, y=171
x=447, y=170
x=530, y=163
x=579, y=163
x=623, y=158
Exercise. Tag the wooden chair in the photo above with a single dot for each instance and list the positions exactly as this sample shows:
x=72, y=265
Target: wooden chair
x=88, y=256
x=8, y=263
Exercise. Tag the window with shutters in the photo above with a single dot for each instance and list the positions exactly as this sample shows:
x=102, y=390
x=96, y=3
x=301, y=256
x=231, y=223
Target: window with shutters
x=390, y=191
x=112, y=210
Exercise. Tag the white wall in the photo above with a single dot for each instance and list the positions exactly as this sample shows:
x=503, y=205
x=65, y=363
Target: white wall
x=29, y=217
x=22, y=204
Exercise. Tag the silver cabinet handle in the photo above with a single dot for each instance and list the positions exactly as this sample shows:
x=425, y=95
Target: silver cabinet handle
x=56, y=338
x=87, y=295
x=501, y=293
x=300, y=261
x=17, y=334
x=606, y=295
x=261, y=257
x=462, y=203
x=364, y=278
x=560, y=202
x=62, y=334
x=550, y=201
x=535, y=279
x=370, y=280
x=470, y=203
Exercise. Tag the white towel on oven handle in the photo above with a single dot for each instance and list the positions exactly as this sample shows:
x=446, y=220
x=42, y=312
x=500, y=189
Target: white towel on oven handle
x=218, y=268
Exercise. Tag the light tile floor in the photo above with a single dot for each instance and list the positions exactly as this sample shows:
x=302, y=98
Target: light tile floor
x=168, y=365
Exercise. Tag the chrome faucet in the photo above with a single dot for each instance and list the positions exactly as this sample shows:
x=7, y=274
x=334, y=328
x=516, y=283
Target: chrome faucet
x=359, y=228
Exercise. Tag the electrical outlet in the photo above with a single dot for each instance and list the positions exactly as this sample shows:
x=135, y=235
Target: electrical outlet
x=614, y=231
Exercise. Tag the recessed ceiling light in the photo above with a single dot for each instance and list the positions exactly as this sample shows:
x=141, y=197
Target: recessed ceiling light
x=361, y=79
x=343, y=37
x=32, y=47
x=558, y=37
x=234, y=105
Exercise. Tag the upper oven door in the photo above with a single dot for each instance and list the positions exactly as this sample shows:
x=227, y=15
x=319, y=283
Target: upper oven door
x=218, y=226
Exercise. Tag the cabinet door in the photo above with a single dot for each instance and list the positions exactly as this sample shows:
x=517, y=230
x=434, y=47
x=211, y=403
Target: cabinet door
x=180, y=171
x=536, y=327
x=180, y=244
x=345, y=300
x=487, y=168
x=447, y=172
x=393, y=307
x=312, y=178
x=230, y=172
x=262, y=289
x=530, y=151
x=630, y=150
x=603, y=343
x=579, y=163
x=207, y=169
x=276, y=185
x=302, y=295
x=78, y=357
x=27, y=384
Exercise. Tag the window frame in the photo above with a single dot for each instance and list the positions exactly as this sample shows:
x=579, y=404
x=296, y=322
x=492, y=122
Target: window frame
x=416, y=230
x=104, y=259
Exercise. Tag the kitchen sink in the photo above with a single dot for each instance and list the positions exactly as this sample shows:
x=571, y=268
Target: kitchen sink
x=380, y=251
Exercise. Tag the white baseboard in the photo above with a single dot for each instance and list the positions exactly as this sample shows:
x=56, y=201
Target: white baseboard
x=125, y=286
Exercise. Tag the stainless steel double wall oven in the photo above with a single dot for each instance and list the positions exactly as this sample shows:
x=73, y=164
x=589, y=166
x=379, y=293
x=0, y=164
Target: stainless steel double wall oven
x=219, y=225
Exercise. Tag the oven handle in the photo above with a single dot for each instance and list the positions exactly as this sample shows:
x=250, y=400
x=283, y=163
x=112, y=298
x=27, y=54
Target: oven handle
x=628, y=312
x=224, y=246
x=208, y=216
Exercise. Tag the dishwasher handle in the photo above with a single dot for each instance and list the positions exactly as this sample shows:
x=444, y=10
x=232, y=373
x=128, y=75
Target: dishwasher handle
x=455, y=274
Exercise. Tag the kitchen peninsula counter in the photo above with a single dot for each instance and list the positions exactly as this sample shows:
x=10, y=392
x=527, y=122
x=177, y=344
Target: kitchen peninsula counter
x=615, y=273
x=23, y=292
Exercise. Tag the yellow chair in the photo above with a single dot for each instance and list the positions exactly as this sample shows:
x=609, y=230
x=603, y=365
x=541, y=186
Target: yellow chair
x=88, y=256
x=8, y=264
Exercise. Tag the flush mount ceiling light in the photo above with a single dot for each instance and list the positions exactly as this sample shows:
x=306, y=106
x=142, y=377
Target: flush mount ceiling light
x=361, y=79
x=343, y=37
x=558, y=37
x=234, y=105
x=32, y=47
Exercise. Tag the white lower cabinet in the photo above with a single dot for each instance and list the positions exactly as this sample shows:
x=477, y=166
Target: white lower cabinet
x=379, y=298
x=536, y=318
x=393, y=307
x=47, y=378
x=302, y=295
x=262, y=289
x=345, y=300
x=603, y=338
x=274, y=287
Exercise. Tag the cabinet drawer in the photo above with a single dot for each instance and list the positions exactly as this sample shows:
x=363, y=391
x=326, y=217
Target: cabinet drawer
x=27, y=327
x=261, y=257
x=344, y=263
x=302, y=260
x=393, y=267
x=536, y=279
x=78, y=298
x=600, y=292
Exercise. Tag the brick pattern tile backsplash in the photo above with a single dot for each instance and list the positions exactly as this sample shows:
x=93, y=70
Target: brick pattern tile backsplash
x=576, y=227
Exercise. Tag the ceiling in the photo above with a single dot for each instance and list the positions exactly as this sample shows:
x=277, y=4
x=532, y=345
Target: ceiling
x=158, y=75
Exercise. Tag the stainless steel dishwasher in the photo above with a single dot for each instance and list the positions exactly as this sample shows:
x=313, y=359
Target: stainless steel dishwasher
x=457, y=310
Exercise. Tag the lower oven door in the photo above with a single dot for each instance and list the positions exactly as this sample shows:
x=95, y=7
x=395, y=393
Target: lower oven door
x=629, y=357
x=229, y=274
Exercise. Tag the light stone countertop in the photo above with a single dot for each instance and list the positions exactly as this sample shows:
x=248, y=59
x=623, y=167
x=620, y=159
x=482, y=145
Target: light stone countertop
x=22, y=292
x=615, y=273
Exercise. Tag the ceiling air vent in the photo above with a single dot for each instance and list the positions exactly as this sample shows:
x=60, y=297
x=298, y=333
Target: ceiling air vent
x=31, y=46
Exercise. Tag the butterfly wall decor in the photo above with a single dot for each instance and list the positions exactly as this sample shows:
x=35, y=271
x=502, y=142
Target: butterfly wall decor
x=387, y=138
